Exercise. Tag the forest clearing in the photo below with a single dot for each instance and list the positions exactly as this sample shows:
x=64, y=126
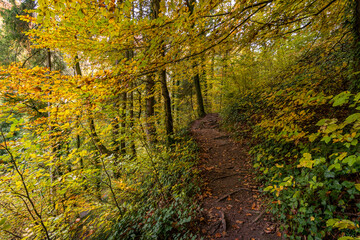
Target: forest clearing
x=179, y=119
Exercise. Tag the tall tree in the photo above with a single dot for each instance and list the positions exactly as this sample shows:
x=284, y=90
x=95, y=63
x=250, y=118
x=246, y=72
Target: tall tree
x=196, y=77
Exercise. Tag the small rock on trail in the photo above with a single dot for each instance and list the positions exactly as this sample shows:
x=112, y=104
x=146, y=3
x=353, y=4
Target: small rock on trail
x=231, y=202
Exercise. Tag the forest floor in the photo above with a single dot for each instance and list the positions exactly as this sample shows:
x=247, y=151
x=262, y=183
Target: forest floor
x=233, y=207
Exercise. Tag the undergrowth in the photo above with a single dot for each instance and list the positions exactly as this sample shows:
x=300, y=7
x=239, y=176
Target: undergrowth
x=159, y=199
x=305, y=135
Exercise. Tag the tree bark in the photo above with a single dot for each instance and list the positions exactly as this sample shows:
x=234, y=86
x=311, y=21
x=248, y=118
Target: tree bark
x=196, y=78
x=150, y=109
x=150, y=87
x=131, y=124
x=200, y=101
x=167, y=107
x=123, y=123
x=49, y=59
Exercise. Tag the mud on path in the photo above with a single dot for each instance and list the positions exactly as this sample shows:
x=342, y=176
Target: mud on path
x=231, y=202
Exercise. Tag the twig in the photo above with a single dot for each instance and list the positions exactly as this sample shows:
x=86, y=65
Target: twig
x=217, y=225
x=258, y=217
x=33, y=54
x=251, y=211
x=11, y=233
x=223, y=220
x=238, y=190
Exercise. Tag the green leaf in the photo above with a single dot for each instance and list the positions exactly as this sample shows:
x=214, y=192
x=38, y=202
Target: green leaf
x=80, y=14
x=350, y=160
x=313, y=136
x=357, y=97
x=322, y=122
x=347, y=238
x=326, y=139
x=331, y=222
x=352, y=118
x=331, y=128
x=345, y=224
x=268, y=188
x=347, y=184
x=341, y=98
x=2, y=221
x=306, y=161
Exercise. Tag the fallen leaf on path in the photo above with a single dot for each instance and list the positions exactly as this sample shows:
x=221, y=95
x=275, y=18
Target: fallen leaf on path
x=253, y=206
x=218, y=235
x=270, y=228
x=239, y=222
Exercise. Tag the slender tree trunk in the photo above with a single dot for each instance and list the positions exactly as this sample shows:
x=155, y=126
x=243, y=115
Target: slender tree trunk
x=199, y=98
x=150, y=109
x=115, y=132
x=169, y=128
x=167, y=107
x=78, y=145
x=196, y=78
x=123, y=123
x=78, y=138
x=177, y=101
x=131, y=125
x=49, y=65
x=150, y=87
x=140, y=105
x=203, y=78
x=51, y=128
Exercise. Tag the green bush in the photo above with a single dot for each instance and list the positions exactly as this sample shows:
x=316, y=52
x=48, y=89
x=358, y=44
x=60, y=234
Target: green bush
x=306, y=147
x=161, y=203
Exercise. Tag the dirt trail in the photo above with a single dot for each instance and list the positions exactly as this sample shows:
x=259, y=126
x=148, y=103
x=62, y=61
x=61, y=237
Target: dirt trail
x=232, y=208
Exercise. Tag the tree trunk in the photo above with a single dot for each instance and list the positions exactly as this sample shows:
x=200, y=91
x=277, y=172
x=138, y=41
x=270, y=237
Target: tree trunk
x=123, y=124
x=196, y=78
x=78, y=139
x=49, y=59
x=149, y=111
x=200, y=101
x=167, y=107
x=150, y=87
x=131, y=125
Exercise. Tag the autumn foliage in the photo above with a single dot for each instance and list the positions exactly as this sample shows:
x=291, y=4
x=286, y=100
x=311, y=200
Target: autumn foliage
x=95, y=95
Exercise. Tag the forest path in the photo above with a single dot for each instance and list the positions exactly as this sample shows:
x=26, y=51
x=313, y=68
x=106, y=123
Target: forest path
x=232, y=207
